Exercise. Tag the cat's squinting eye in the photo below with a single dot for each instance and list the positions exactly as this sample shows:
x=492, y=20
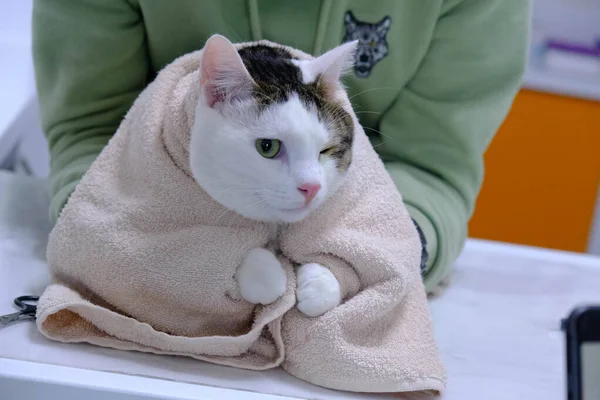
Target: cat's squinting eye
x=327, y=151
x=268, y=148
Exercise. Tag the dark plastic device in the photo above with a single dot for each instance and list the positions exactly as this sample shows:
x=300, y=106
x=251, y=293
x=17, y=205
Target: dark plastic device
x=580, y=327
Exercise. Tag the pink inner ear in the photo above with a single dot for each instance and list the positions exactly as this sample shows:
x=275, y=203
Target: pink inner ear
x=208, y=72
x=212, y=93
x=223, y=74
x=335, y=63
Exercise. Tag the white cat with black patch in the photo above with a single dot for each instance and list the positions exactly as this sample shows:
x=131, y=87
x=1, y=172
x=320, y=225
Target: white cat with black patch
x=272, y=144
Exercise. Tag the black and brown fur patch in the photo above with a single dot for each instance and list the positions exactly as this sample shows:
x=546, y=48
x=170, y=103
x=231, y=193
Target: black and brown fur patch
x=277, y=78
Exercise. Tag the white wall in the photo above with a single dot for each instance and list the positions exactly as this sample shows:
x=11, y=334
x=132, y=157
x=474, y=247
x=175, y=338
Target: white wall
x=577, y=20
x=21, y=139
x=15, y=22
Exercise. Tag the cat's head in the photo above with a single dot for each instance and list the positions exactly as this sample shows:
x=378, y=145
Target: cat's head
x=271, y=139
x=372, y=43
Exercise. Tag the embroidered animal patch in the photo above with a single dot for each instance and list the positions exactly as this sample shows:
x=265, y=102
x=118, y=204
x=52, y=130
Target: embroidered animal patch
x=372, y=43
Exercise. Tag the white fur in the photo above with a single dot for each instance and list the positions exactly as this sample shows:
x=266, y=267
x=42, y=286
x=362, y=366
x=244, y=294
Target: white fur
x=318, y=290
x=331, y=65
x=226, y=164
x=223, y=157
x=261, y=277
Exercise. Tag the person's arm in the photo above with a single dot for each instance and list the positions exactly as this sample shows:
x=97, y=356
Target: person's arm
x=90, y=61
x=440, y=125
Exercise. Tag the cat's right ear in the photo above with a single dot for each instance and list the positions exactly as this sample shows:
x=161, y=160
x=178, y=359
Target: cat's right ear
x=223, y=76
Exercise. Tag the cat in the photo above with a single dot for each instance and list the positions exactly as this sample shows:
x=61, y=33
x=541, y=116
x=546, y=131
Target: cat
x=372, y=42
x=272, y=143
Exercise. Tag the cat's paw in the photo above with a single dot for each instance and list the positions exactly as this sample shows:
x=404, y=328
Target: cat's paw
x=261, y=278
x=318, y=290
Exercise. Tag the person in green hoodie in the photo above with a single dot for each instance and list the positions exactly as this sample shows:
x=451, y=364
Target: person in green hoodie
x=432, y=83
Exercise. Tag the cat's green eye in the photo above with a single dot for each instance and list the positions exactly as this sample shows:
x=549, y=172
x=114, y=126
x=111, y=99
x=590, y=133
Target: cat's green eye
x=268, y=148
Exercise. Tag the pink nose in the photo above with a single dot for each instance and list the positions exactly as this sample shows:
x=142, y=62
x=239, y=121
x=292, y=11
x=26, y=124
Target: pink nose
x=309, y=190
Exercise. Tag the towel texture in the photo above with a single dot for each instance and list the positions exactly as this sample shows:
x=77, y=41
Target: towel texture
x=143, y=259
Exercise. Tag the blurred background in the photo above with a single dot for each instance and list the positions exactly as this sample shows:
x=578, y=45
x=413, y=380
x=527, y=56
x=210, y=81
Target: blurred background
x=542, y=169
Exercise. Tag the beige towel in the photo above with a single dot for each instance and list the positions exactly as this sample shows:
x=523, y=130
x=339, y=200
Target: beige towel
x=143, y=259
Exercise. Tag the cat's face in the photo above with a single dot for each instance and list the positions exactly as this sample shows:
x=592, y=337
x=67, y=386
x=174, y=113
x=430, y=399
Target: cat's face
x=267, y=142
x=372, y=42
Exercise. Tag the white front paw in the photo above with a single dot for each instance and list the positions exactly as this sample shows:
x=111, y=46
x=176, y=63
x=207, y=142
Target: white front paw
x=261, y=277
x=318, y=290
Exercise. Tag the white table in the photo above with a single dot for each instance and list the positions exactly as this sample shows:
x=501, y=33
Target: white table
x=497, y=326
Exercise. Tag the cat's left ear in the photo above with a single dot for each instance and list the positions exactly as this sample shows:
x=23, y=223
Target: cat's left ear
x=331, y=66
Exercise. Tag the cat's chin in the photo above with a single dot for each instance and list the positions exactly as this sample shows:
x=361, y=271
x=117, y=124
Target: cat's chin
x=292, y=216
x=284, y=216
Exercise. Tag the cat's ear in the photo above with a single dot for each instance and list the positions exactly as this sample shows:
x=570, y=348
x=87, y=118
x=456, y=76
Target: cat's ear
x=331, y=66
x=223, y=76
x=383, y=26
x=350, y=21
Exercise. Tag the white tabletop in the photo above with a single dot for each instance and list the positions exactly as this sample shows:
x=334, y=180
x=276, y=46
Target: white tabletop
x=497, y=326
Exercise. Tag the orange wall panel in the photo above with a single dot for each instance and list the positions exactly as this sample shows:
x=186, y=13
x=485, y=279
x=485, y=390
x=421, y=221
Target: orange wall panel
x=542, y=174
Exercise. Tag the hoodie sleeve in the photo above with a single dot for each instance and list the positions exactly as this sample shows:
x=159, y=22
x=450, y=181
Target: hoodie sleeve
x=442, y=122
x=90, y=62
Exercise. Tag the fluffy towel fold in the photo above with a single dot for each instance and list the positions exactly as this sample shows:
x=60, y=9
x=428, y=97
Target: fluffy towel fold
x=143, y=259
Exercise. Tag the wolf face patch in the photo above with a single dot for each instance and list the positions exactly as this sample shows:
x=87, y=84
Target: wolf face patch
x=372, y=43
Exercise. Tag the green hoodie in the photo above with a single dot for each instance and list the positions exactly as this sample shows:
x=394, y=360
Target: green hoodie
x=433, y=82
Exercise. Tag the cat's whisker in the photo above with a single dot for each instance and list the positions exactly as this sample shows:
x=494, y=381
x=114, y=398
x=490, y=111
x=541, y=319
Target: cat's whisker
x=338, y=117
x=235, y=191
x=240, y=190
x=257, y=202
x=375, y=130
x=379, y=144
x=372, y=89
x=238, y=37
x=366, y=112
